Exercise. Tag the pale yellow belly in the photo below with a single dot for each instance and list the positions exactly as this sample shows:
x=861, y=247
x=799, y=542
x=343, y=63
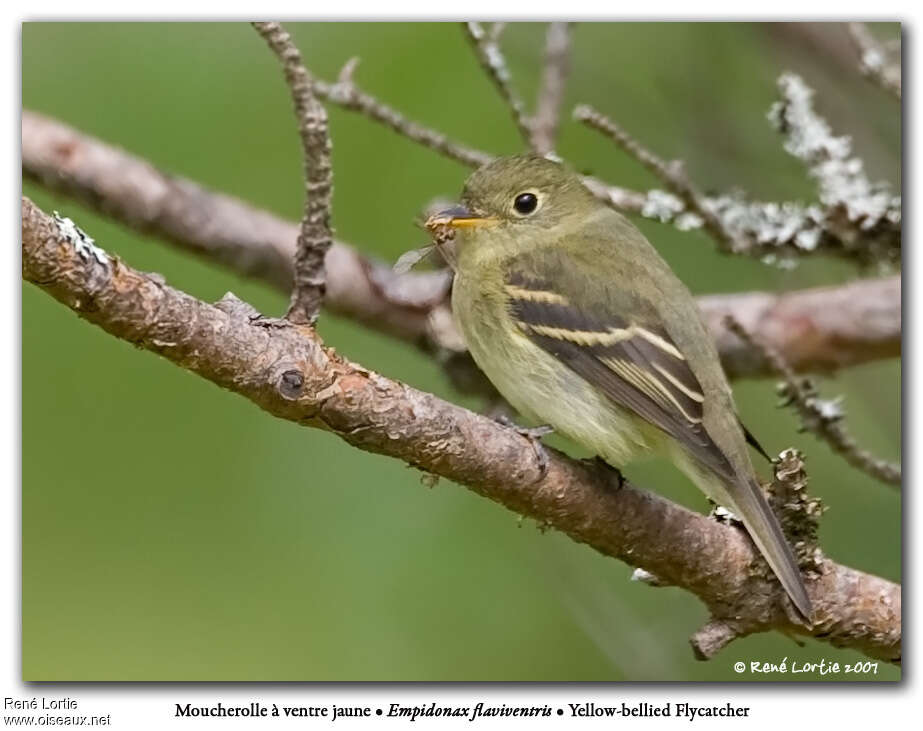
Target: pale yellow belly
x=543, y=389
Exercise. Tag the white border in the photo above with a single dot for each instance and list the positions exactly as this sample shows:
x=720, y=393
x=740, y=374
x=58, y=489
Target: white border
x=144, y=706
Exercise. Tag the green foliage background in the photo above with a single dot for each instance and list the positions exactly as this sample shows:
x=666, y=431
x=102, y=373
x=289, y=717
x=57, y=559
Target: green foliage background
x=173, y=531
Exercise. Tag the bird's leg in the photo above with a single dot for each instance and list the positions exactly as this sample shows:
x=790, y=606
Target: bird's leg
x=607, y=471
x=534, y=435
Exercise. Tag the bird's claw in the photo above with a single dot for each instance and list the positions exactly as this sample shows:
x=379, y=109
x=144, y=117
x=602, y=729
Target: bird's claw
x=534, y=435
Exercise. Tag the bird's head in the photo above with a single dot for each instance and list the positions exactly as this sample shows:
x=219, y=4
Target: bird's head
x=523, y=194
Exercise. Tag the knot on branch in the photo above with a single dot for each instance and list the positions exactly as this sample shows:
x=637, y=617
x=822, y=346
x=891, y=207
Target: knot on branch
x=290, y=384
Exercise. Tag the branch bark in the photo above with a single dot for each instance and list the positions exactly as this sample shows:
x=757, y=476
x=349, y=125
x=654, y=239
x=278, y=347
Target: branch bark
x=815, y=330
x=818, y=330
x=314, y=237
x=551, y=93
x=486, y=47
x=282, y=368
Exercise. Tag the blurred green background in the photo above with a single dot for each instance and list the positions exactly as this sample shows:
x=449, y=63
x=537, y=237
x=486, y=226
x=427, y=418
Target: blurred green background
x=172, y=530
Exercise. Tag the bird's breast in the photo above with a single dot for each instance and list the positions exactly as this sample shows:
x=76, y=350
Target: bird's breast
x=539, y=386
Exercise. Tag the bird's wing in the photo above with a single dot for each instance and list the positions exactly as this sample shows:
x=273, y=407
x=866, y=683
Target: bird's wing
x=616, y=340
x=613, y=339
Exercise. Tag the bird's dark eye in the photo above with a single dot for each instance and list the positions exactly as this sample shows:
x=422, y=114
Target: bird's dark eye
x=525, y=203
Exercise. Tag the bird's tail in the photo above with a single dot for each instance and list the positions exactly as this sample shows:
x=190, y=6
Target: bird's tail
x=749, y=504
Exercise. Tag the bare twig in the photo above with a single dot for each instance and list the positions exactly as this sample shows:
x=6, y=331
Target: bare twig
x=874, y=60
x=822, y=329
x=621, y=199
x=348, y=95
x=496, y=30
x=551, y=93
x=296, y=378
x=315, y=236
x=824, y=418
x=487, y=49
x=672, y=174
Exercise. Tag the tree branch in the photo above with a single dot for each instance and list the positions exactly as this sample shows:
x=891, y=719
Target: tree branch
x=551, y=93
x=346, y=94
x=855, y=219
x=815, y=330
x=221, y=228
x=294, y=377
x=315, y=237
x=819, y=330
x=672, y=174
x=864, y=217
x=874, y=61
x=487, y=49
x=823, y=418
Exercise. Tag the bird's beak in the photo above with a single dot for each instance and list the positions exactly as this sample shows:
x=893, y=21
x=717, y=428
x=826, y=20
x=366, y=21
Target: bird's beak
x=458, y=217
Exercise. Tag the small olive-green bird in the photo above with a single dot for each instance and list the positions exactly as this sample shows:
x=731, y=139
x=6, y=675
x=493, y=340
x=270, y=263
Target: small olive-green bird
x=581, y=325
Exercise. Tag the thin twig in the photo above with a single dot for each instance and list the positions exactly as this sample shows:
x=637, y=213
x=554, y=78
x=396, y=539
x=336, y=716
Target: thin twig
x=874, y=61
x=621, y=199
x=315, y=237
x=824, y=418
x=672, y=174
x=487, y=49
x=346, y=94
x=551, y=93
x=288, y=373
x=496, y=30
x=775, y=232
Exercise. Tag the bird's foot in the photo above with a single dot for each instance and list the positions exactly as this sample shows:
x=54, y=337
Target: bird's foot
x=612, y=475
x=534, y=435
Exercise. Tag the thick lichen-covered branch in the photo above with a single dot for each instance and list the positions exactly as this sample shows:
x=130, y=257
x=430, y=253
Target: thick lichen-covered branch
x=816, y=330
x=314, y=237
x=283, y=369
